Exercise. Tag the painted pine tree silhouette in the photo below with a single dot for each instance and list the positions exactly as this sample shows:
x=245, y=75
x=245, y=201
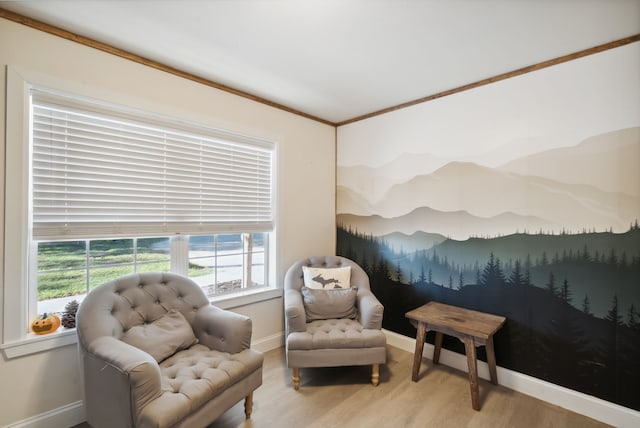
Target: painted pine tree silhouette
x=586, y=305
x=551, y=284
x=492, y=274
x=516, y=278
x=565, y=292
x=607, y=352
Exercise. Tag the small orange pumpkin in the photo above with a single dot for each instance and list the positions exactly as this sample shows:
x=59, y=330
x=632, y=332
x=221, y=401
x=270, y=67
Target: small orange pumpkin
x=45, y=323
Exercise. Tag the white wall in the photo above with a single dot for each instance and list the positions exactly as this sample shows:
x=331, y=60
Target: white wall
x=40, y=383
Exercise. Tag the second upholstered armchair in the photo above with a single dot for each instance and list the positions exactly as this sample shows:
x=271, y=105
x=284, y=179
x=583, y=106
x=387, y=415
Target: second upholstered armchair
x=331, y=317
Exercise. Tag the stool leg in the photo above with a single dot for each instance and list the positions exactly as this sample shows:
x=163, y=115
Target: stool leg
x=491, y=361
x=375, y=374
x=417, y=357
x=437, y=347
x=472, y=363
x=296, y=378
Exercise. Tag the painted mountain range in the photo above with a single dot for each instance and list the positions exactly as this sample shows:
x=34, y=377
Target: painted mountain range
x=594, y=185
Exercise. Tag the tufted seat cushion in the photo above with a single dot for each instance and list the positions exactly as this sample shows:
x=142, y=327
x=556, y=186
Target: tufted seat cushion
x=194, y=376
x=335, y=334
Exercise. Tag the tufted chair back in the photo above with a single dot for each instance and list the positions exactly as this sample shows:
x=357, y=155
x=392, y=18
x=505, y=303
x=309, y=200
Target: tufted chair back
x=114, y=307
x=294, y=278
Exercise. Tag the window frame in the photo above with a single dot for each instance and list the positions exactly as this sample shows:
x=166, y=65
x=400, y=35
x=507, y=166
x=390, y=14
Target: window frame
x=16, y=341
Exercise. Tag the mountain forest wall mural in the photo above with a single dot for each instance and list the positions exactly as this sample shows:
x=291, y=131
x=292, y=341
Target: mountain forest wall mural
x=520, y=198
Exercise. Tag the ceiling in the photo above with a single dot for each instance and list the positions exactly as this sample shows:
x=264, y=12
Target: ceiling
x=337, y=60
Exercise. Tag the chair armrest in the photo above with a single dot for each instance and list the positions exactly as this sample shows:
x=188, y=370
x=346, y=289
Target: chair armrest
x=120, y=376
x=295, y=316
x=222, y=330
x=370, y=310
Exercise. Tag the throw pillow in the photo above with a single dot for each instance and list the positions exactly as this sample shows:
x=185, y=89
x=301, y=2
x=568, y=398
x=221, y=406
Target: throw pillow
x=162, y=338
x=327, y=278
x=323, y=304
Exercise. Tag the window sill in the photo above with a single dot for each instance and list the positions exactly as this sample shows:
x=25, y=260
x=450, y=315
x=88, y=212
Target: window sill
x=34, y=343
x=247, y=297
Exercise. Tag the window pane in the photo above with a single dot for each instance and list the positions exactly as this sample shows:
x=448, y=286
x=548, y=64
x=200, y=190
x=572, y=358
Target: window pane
x=111, y=252
x=258, y=272
x=101, y=275
x=61, y=255
x=64, y=283
x=229, y=268
x=257, y=275
x=229, y=272
x=202, y=259
x=229, y=243
x=258, y=240
x=61, y=274
x=53, y=286
x=109, y=259
x=153, y=255
x=218, y=263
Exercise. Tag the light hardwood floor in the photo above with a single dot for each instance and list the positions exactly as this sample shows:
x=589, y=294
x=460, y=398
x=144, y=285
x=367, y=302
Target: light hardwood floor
x=342, y=397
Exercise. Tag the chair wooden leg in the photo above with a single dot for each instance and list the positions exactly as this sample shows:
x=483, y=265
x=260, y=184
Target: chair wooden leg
x=248, y=405
x=296, y=378
x=375, y=374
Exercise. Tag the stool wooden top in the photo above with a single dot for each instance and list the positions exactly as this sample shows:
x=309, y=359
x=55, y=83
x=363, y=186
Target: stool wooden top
x=465, y=321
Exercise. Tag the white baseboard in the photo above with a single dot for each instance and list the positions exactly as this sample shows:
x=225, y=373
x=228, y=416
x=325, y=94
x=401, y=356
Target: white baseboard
x=268, y=343
x=595, y=408
x=61, y=417
x=578, y=402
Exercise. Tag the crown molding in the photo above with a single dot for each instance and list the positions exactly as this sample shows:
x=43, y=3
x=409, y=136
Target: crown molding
x=86, y=41
x=499, y=77
x=51, y=29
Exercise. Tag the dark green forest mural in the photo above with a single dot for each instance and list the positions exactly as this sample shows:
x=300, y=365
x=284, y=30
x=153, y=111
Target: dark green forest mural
x=520, y=198
x=546, y=285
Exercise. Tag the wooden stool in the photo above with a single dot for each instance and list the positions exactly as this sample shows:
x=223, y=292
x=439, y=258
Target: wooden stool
x=472, y=328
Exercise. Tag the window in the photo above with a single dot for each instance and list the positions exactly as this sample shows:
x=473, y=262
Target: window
x=98, y=191
x=220, y=264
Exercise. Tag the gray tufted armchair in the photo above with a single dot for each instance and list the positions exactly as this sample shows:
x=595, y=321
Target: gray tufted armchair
x=333, y=342
x=155, y=353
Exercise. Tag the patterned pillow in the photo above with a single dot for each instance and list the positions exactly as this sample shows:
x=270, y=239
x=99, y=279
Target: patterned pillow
x=327, y=278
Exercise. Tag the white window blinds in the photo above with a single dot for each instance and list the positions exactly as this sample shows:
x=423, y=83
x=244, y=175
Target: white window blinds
x=107, y=174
